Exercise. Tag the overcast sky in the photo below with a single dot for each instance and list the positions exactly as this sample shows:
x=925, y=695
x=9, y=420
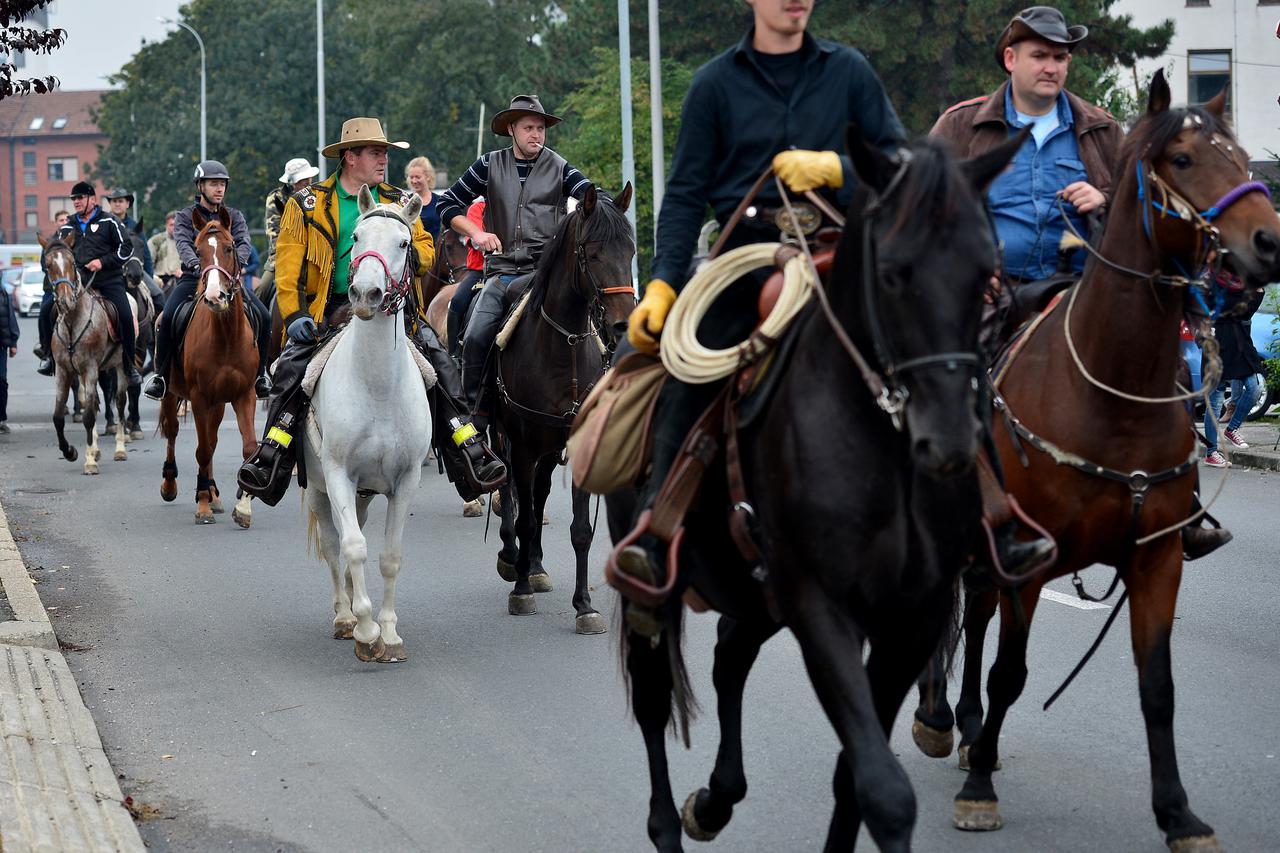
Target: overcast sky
x=100, y=38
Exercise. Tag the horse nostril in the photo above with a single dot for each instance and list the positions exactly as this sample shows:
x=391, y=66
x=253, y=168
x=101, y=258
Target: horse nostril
x=1265, y=242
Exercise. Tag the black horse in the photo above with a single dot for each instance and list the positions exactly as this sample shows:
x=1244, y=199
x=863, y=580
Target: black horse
x=577, y=310
x=866, y=504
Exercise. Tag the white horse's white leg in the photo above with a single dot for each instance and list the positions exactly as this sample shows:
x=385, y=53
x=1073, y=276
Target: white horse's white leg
x=344, y=621
x=355, y=553
x=390, y=560
x=122, y=453
x=88, y=398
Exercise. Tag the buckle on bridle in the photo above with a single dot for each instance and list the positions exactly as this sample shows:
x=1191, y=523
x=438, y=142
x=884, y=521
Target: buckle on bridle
x=893, y=402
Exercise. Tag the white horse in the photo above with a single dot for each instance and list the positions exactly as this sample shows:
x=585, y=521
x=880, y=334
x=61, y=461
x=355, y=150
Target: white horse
x=371, y=429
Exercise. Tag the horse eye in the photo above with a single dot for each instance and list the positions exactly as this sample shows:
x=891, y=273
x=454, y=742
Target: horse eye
x=1181, y=161
x=355, y=238
x=404, y=243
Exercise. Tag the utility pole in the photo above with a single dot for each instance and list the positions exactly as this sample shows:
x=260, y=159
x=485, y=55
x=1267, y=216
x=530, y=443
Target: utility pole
x=320, y=143
x=628, y=143
x=655, y=115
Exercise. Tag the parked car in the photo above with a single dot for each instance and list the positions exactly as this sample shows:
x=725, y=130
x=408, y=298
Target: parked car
x=30, y=290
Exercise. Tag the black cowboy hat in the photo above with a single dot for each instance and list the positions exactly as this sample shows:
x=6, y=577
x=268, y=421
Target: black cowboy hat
x=84, y=188
x=521, y=105
x=120, y=192
x=1039, y=22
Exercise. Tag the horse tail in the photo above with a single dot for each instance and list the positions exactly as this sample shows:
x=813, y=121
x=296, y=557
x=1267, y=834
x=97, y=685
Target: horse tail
x=955, y=627
x=683, y=703
x=313, y=527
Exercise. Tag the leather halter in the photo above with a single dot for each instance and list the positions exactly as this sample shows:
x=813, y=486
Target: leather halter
x=231, y=277
x=397, y=289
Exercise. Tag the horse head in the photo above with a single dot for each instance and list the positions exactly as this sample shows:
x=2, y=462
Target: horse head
x=133, y=268
x=383, y=233
x=1195, y=190
x=923, y=251
x=59, y=264
x=219, y=264
x=603, y=245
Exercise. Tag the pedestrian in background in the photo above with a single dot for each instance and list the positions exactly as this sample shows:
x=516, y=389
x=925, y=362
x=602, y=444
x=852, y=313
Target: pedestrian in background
x=8, y=348
x=165, y=253
x=1241, y=365
x=420, y=175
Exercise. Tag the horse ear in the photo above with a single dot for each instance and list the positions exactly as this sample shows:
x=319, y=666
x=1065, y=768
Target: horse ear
x=224, y=217
x=589, y=200
x=1159, y=97
x=70, y=239
x=364, y=201
x=1217, y=105
x=623, y=201
x=985, y=168
x=44, y=244
x=198, y=219
x=871, y=164
x=137, y=228
x=412, y=209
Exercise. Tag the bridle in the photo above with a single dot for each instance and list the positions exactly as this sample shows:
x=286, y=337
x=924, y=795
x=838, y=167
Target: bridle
x=233, y=277
x=595, y=300
x=72, y=282
x=397, y=289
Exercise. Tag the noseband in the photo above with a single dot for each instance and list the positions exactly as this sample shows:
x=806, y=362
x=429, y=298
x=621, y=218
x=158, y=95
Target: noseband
x=595, y=305
x=397, y=289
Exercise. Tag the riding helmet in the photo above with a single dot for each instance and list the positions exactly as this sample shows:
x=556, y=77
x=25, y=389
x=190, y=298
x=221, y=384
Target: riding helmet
x=209, y=170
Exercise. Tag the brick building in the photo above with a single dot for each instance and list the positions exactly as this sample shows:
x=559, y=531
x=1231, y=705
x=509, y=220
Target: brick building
x=47, y=143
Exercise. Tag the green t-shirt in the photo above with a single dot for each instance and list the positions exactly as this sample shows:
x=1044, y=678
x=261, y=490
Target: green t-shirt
x=348, y=213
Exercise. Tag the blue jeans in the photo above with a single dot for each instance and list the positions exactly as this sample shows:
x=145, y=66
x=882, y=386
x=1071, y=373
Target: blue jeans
x=1245, y=394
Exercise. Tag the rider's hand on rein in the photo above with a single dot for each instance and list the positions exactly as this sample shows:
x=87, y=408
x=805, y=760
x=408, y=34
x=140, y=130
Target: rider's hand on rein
x=809, y=170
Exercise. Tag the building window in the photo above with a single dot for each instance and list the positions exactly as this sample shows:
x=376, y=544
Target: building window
x=1208, y=73
x=1197, y=2
x=29, y=177
x=59, y=123
x=33, y=219
x=36, y=123
x=64, y=169
x=30, y=202
x=28, y=159
x=59, y=204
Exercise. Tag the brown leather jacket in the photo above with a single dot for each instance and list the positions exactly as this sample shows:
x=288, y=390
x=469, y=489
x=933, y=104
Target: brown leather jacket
x=976, y=126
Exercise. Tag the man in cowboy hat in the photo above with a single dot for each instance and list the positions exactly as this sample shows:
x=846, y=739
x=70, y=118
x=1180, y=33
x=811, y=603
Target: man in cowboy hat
x=101, y=247
x=313, y=254
x=525, y=188
x=120, y=200
x=1073, y=149
x=298, y=173
x=211, y=180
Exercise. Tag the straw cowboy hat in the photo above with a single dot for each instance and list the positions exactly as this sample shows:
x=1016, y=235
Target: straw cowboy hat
x=297, y=169
x=1039, y=22
x=521, y=105
x=357, y=132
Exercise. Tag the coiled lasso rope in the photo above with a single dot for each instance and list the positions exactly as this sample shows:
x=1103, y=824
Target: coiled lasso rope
x=686, y=358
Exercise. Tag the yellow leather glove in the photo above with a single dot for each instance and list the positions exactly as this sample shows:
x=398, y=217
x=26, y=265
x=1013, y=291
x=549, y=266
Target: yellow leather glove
x=809, y=170
x=646, y=322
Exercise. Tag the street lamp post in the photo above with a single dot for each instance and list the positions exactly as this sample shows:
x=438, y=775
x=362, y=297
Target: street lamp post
x=204, y=151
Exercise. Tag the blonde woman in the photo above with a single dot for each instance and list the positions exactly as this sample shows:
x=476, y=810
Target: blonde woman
x=420, y=175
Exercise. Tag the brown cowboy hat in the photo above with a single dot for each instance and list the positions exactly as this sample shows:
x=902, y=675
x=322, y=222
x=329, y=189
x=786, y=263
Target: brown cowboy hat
x=357, y=132
x=1039, y=22
x=521, y=105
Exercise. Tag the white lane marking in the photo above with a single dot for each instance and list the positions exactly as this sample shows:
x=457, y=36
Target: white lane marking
x=1072, y=601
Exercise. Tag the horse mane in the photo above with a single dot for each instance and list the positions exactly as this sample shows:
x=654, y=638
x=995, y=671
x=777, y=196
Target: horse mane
x=932, y=184
x=606, y=224
x=1154, y=131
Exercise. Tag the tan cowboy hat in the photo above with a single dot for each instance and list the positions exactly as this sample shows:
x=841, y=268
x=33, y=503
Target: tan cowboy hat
x=521, y=105
x=357, y=132
x=1039, y=22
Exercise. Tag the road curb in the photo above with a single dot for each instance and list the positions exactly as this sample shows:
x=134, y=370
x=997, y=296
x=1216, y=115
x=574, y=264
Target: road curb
x=1254, y=458
x=57, y=788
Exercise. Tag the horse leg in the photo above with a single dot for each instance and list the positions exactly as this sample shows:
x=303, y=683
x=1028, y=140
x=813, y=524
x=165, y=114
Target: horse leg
x=589, y=620
x=934, y=719
x=707, y=810
x=542, y=471
x=355, y=553
x=106, y=381
x=243, y=512
x=89, y=409
x=207, y=420
x=520, y=600
x=832, y=647
x=977, y=806
x=398, y=503
x=169, y=429
x=649, y=670
x=510, y=551
x=135, y=416
x=1153, y=591
x=62, y=383
x=324, y=535
x=980, y=608
x=121, y=384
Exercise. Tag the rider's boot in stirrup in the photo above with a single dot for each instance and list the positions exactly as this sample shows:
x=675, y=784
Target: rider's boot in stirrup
x=156, y=386
x=266, y=473
x=1197, y=540
x=262, y=385
x=47, y=367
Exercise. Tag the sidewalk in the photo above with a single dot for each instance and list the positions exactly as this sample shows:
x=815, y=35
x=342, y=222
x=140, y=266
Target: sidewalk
x=1261, y=452
x=57, y=789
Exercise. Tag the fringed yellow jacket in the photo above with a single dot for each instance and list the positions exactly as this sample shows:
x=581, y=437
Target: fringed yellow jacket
x=304, y=250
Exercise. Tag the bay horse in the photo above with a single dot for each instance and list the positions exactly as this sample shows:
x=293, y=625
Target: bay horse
x=862, y=475
x=448, y=267
x=369, y=430
x=82, y=351
x=217, y=364
x=579, y=300
x=1094, y=385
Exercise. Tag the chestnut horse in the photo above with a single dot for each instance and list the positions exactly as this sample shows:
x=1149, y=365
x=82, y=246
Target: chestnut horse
x=1104, y=453
x=218, y=364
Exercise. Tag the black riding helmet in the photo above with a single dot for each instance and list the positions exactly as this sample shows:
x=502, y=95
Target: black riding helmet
x=209, y=170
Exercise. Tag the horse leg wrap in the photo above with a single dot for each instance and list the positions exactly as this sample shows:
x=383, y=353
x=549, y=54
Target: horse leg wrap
x=170, y=470
x=203, y=484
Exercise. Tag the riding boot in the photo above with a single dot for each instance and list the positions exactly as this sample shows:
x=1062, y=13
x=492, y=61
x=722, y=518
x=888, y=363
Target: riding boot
x=1198, y=541
x=266, y=473
x=481, y=332
x=48, y=318
x=1015, y=555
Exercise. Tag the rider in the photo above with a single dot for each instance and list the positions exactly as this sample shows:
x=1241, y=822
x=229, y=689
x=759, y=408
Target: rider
x=211, y=179
x=466, y=289
x=165, y=252
x=312, y=272
x=298, y=173
x=120, y=200
x=525, y=187
x=101, y=248
x=779, y=97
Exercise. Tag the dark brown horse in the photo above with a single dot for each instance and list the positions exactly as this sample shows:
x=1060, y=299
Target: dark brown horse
x=217, y=364
x=449, y=266
x=1097, y=379
x=579, y=301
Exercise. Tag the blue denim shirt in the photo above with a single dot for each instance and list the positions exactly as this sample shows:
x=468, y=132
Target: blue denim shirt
x=1024, y=202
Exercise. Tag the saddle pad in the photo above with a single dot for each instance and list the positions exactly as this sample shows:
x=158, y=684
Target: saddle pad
x=182, y=319
x=513, y=320
x=1010, y=352
x=318, y=361
x=764, y=376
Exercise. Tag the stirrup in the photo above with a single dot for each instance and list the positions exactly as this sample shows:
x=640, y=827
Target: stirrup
x=639, y=590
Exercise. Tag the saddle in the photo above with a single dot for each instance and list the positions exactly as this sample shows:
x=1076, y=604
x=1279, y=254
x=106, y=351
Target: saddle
x=512, y=304
x=182, y=319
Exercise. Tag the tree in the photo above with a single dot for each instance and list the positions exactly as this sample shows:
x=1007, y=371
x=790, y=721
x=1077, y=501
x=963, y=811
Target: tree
x=28, y=40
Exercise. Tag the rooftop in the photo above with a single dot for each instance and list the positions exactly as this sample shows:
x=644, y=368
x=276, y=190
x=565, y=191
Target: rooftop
x=51, y=114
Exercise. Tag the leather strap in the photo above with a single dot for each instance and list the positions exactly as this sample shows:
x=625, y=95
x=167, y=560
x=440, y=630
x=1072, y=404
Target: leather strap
x=685, y=479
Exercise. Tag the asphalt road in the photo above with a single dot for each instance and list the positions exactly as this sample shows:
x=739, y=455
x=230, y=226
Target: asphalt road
x=204, y=653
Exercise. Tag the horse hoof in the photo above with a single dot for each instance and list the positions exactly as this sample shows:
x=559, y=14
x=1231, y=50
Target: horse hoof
x=964, y=759
x=934, y=743
x=241, y=518
x=590, y=623
x=344, y=629
x=472, y=509
x=540, y=581
x=393, y=653
x=90, y=468
x=71, y=454
x=204, y=517
x=370, y=652
x=506, y=571
x=521, y=605
x=690, y=820
x=546, y=517
x=136, y=435
x=977, y=815
x=169, y=493
x=121, y=456
x=1196, y=844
